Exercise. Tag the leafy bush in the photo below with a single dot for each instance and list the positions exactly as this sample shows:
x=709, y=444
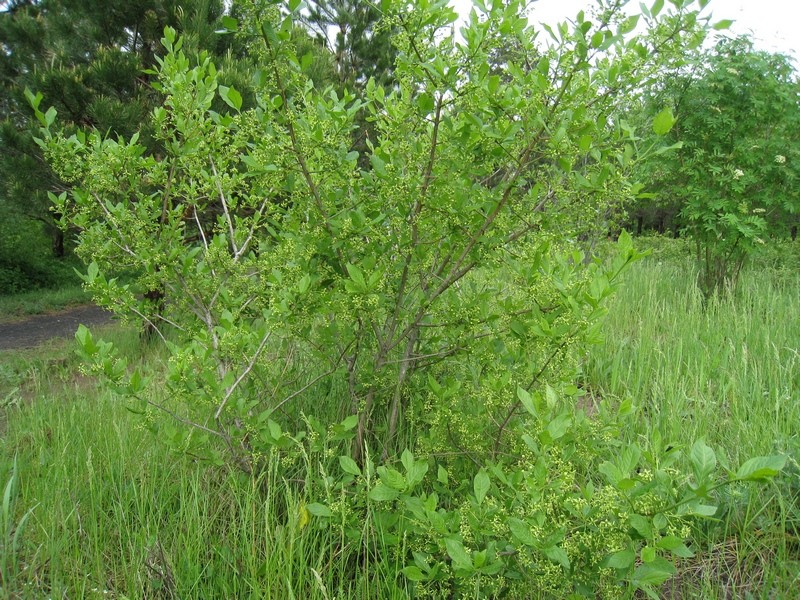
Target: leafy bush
x=288, y=267
x=736, y=174
x=439, y=294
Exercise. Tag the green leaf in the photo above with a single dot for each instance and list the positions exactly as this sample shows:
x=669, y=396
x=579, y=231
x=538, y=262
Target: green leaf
x=761, y=468
x=642, y=525
x=85, y=340
x=230, y=23
x=350, y=422
x=425, y=103
x=527, y=401
x=319, y=510
x=92, y=271
x=559, y=426
x=349, y=466
x=629, y=24
x=723, y=24
x=656, y=8
x=414, y=573
x=33, y=99
x=50, y=116
x=481, y=485
x=698, y=509
x=357, y=276
x=675, y=545
x=415, y=470
x=441, y=475
x=623, y=559
x=648, y=554
x=383, y=493
x=520, y=530
x=231, y=97
x=654, y=573
x=704, y=461
x=612, y=472
x=378, y=164
x=629, y=459
x=268, y=31
x=459, y=556
x=274, y=429
x=392, y=478
x=407, y=458
x=558, y=555
x=664, y=122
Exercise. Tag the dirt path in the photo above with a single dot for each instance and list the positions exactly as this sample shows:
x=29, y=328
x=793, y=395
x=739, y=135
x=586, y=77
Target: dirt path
x=34, y=330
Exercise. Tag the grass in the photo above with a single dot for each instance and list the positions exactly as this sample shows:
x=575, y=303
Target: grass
x=97, y=508
x=113, y=515
x=42, y=301
x=726, y=371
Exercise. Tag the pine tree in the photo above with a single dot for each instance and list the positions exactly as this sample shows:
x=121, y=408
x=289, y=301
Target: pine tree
x=88, y=59
x=361, y=43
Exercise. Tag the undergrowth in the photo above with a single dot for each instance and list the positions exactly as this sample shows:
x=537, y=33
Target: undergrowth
x=96, y=506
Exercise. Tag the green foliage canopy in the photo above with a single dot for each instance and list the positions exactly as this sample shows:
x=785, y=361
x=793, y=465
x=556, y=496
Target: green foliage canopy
x=736, y=176
x=454, y=250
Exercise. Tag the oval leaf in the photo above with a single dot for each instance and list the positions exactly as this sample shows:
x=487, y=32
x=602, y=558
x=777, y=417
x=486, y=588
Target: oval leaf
x=349, y=466
x=663, y=122
x=761, y=468
x=481, y=486
x=319, y=510
x=231, y=97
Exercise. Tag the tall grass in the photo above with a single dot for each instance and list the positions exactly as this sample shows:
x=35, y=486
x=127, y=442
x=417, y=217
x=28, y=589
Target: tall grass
x=727, y=371
x=98, y=508
x=111, y=513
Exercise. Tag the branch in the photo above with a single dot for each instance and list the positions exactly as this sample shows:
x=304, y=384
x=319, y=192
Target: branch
x=225, y=208
x=242, y=375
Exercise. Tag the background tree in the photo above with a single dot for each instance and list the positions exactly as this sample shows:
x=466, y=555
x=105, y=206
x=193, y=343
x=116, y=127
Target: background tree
x=87, y=59
x=357, y=37
x=736, y=177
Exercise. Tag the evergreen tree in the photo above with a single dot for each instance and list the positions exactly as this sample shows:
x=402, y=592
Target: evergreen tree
x=88, y=58
x=361, y=42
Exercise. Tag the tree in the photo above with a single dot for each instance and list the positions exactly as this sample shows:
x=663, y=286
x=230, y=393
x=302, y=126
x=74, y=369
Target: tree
x=736, y=176
x=87, y=59
x=361, y=47
x=446, y=254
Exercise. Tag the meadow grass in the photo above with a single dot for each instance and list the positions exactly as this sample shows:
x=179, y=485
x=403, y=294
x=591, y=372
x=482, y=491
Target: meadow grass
x=111, y=513
x=96, y=507
x=41, y=301
x=725, y=370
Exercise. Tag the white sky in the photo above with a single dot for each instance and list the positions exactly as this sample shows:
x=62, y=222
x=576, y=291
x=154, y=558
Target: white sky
x=772, y=23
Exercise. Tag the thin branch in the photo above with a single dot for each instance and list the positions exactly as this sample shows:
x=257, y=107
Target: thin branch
x=225, y=208
x=242, y=375
x=183, y=420
x=304, y=388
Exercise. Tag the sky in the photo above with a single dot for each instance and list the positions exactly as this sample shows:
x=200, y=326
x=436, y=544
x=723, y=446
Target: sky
x=771, y=23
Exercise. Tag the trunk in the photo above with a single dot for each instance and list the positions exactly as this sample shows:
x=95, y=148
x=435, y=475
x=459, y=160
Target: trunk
x=58, y=243
x=156, y=297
